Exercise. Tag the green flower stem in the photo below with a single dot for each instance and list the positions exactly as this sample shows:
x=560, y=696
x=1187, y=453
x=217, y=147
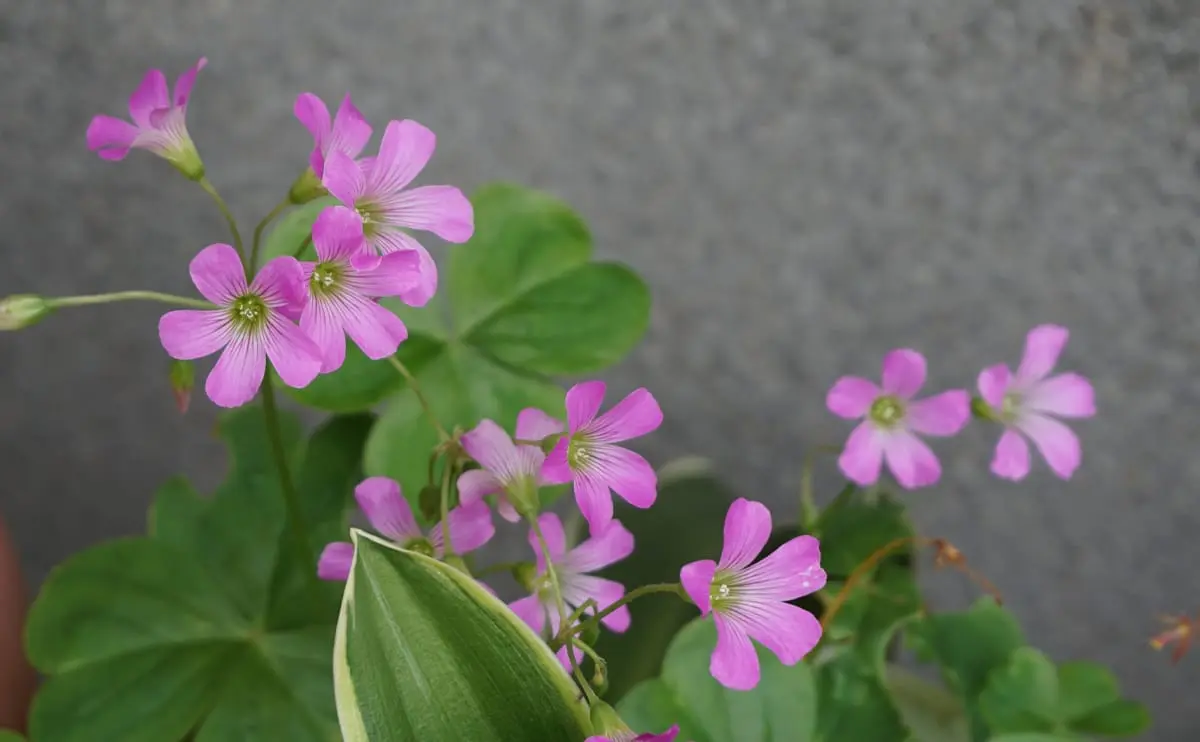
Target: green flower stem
x=80, y=301
x=560, y=603
x=416, y=388
x=303, y=246
x=447, y=477
x=629, y=597
x=808, y=506
x=258, y=230
x=211, y=190
x=291, y=499
x=588, y=693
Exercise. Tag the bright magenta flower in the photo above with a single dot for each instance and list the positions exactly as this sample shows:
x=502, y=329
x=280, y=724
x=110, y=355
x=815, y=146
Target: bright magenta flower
x=511, y=472
x=159, y=124
x=589, y=457
x=667, y=736
x=347, y=133
x=252, y=323
x=750, y=601
x=892, y=419
x=1028, y=402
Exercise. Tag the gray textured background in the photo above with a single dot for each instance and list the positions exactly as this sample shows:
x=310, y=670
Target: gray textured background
x=805, y=184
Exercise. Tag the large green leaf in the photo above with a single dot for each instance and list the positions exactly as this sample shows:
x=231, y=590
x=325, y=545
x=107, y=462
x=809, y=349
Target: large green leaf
x=782, y=708
x=1022, y=696
x=199, y=628
x=931, y=713
x=424, y=654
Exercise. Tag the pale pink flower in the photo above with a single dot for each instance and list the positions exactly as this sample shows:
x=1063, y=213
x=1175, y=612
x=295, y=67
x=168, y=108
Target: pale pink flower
x=381, y=500
x=751, y=601
x=341, y=297
x=375, y=191
x=159, y=124
x=667, y=736
x=589, y=456
x=347, y=133
x=1028, y=402
x=510, y=471
x=893, y=418
x=251, y=322
x=573, y=568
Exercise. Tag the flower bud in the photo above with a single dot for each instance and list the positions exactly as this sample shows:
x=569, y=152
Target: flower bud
x=306, y=188
x=525, y=573
x=982, y=410
x=21, y=311
x=183, y=379
x=550, y=441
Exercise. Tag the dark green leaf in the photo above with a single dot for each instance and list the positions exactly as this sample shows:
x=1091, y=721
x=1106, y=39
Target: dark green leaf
x=1116, y=719
x=1021, y=696
x=853, y=528
x=7, y=735
x=854, y=704
x=1084, y=687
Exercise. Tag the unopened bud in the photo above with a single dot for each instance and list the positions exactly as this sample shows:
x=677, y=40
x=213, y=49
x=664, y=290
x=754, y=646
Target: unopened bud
x=550, y=441
x=600, y=678
x=430, y=503
x=306, y=188
x=982, y=410
x=525, y=573
x=183, y=379
x=21, y=311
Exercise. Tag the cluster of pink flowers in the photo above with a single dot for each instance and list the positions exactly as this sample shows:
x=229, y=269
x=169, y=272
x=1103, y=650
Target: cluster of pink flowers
x=1027, y=403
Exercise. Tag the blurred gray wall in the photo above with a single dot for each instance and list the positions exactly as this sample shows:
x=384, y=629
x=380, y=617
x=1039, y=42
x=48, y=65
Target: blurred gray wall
x=805, y=184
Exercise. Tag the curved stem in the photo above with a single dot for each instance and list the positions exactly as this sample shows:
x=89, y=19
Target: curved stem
x=447, y=544
x=258, y=230
x=560, y=603
x=211, y=190
x=632, y=595
x=416, y=388
x=79, y=301
x=859, y=572
x=291, y=499
x=808, y=506
x=303, y=246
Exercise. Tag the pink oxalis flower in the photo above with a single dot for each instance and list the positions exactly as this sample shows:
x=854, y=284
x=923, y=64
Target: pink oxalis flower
x=389, y=513
x=1028, y=402
x=159, y=124
x=348, y=132
x=667, y=736
x=510, y=471
x=251, y=322
x=342, y=298
x=893, y=418
x=375, y=191
x=589, y=457
x=750, y=601
x=572, y=569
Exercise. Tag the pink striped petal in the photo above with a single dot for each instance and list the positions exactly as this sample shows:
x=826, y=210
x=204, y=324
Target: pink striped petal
x=851, y=397
x=389, y=241
x=338, y=233
x=791, y=571
x=535, y=425
x=440, y=209
x=238, y=374
x=862, y=457
x=583, y=402
x=188, y=334
x=912, y=463
x=1011, y=460
x=788, y=631
x=335, y=561
x=111, y=138
x=747, y=529
x=594, y=499
x=294, y=355
x=556, y=539
x=351, y=132
x=490, y=445
x=343, y=178
x=313, y=114
x=1056, y=442
x=556, y=469
x=186, y=81
x=609, y=547
x=1067, y=395
x=605, y=592
x=903, y=372
x=632, y=417
x=218, y=274
x=321, y=323
x=993, y=384
x=1043, y=345
x=734, y=662
x=529, y=609
x=506, y=510
x=565, y=661
x=942, y=414
x=627, y=473
x=280, y=283
x=151, y=95
x=381, y=500
x=470, y=528
x=476, y=484
x=396, y=274
x=696, y=578
x=374, y=329
x=404, y=151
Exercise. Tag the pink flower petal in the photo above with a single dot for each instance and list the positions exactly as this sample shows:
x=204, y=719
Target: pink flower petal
x=862, y=457
x=788, y=631
x=942, y=414
x=322, y=324
x=343, y=178
x=506, y=510
x=395, y=274
x=1067, y=395
x=335, y=561
x=632, y=417
x=475, y=485
x=583, y=402
x=851, y=397
x=534, y=425
x=391, y=241
x=594, y=499
x=111, y=138
x=605, y=592
x=609, y=547
x=556, y=469
x=565, y=661
x=238, y=374
x=747, y=529
x=912, y=463
x=351, y=132
x=529, y=609
x=381, y=500
x=490, y=445
x=294, y=355
x=404, y=151
x=187, y=334
x=312, y=112
x=791, y=571
x=440, y=209
x=556, y=539
x=1011, y=460
x=186, y=81
x=627, y=473
x=280, y=283
x=151, y=95
x=993, y=383
x=734, y=662
x=218, y=274
x=903, y=372
x=697, y=578
x=374, y=329
x=1056, y=442
x=470, y=528
x=1043, y=345
x=338, y=233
